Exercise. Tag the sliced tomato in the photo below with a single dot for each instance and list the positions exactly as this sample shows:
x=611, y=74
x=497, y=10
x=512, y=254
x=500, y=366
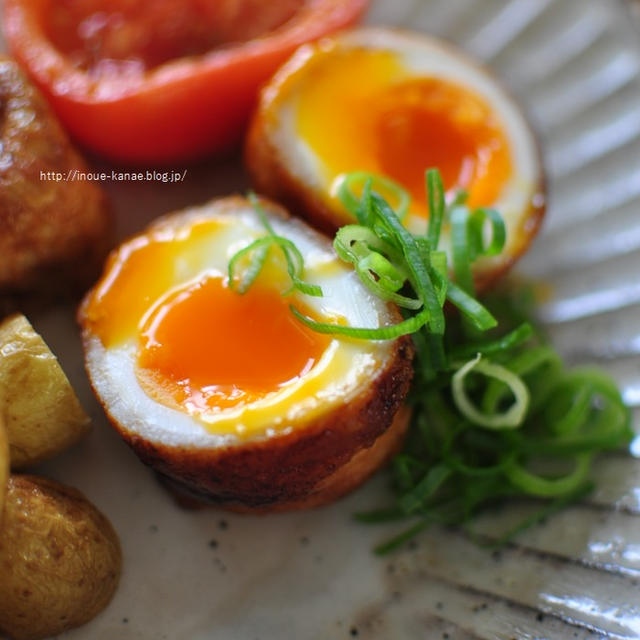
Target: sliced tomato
x=165, y=80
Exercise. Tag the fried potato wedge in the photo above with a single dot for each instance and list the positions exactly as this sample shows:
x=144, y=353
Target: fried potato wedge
x=60, y=559
x=41, y=411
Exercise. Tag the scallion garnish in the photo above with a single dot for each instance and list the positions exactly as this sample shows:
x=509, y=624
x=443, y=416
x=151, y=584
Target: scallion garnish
x=493, y=418
x=256, y=253
x=509, y=419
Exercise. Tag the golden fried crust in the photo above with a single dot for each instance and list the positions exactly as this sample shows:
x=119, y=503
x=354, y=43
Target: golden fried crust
x=342, y=481
x=299, y=469
x=53, y=234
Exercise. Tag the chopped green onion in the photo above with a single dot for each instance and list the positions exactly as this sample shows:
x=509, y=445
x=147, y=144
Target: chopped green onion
x=467, y=240
x=414, y=499
x=461, y=249
x=354, y=241
x=473, y=437
x=257, y=253
x=510, y=340
x=498, y=232
x=368, y=253
x=489, y=414
x=357, y=205
x=435, y=191
x=415, y=262
x=537, y=485
x=383, y=279
x=479, y=315
x=406, y=327
x=401, y=539
x=510, y=419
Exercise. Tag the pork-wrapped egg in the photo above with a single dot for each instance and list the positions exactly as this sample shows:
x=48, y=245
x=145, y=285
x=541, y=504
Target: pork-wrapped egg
x=394, y=104
x=228, y=395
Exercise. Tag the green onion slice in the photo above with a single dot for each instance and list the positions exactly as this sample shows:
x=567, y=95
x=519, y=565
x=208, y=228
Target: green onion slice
x=257, y=253
x=347, y=193
x=416, y=264
x=468, y=243
x=390, y=332
x=479, y=315
x=509, y=419
x=544, y=487
x=501, y=345
x=435, y=194
x=413, y=500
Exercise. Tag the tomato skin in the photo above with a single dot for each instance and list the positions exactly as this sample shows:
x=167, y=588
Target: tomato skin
x=179, y=111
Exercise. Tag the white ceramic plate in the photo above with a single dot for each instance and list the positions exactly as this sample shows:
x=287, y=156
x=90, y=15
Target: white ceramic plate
x=575, y=65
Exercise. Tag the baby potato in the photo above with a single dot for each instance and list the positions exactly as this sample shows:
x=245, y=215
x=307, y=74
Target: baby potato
x=60, y=559
x=4, y=465
x=41, y=411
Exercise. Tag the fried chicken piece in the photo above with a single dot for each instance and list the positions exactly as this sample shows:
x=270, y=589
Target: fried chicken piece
x=54, y=230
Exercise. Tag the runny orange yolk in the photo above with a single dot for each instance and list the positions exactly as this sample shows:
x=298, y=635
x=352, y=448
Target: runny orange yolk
x=201, y=346
x=362, y=110
x=210, y=347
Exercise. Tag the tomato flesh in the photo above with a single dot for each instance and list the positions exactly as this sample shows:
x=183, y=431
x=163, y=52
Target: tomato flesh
x=125, y=35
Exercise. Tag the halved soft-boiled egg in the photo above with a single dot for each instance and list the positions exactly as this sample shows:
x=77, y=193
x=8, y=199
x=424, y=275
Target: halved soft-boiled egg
x=395, y=104
x=226, y=394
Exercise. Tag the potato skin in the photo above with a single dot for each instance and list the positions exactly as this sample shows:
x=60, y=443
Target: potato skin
x=59, y=559
x=42, y=413
x=4, y=465
x=53, y=234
